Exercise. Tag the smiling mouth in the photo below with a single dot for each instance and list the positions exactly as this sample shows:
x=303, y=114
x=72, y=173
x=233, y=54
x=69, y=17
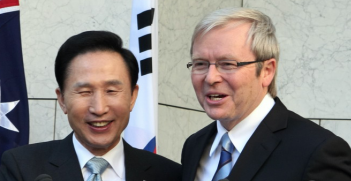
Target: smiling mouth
x=216, y=97
x=100, y=123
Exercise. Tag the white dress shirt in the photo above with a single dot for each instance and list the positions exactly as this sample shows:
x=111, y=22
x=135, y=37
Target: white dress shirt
x=239, y=136
x=115, y=157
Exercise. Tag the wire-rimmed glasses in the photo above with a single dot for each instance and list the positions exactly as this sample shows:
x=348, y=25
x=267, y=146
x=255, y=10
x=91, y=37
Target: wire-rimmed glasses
x=223, y=66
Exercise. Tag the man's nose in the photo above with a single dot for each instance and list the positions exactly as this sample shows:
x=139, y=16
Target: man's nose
x=98, y=105
x=212, y=75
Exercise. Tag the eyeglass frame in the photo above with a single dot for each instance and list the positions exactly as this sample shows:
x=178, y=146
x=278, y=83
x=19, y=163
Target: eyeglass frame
x=238, y=64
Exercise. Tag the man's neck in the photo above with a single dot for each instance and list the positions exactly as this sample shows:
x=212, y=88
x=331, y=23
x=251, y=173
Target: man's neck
x=230, y=124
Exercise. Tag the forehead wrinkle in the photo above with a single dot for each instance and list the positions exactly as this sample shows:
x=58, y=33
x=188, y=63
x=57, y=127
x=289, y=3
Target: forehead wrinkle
x=226, y=57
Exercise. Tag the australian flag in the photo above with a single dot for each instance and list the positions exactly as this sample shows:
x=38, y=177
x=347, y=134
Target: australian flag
x=14, y=114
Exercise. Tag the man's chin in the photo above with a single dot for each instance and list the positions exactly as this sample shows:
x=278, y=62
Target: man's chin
x=100, y=149
x=215, y=117
x=215, y=114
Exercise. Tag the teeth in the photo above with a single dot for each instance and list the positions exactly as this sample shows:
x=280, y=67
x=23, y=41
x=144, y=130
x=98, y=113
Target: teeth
x=215, y=97
x=100, y=124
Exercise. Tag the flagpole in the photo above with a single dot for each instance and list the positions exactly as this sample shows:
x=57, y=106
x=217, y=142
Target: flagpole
x=155, y=65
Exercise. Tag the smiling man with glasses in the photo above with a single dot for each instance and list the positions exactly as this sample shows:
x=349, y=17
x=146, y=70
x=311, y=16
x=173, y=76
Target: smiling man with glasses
x=234, y=59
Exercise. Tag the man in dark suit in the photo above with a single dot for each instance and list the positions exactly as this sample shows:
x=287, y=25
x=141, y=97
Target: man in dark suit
x=97, y=90
x=255, y=137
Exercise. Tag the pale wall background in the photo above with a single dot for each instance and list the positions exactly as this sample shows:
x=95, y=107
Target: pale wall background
x=313, y=73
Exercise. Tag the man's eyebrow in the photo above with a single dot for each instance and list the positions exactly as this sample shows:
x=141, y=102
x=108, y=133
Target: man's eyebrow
x=222, y=57
x=82, y=84
x=113, y=82
x=88, y=85
x=226, y=57
x=197, y=58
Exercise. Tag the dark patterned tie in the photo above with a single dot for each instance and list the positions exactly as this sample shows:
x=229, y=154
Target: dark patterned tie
x=224, y=166
x=96, y=166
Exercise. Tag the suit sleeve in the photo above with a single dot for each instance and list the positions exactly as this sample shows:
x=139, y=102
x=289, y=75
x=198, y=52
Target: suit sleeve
x=330, y=162
x=9, y=169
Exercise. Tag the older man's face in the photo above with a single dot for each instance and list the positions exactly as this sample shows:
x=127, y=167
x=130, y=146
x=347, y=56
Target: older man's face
x=227, y=97
x=97, y=99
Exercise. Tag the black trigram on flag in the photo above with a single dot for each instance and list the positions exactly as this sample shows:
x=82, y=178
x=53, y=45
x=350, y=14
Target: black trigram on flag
x=145, y=42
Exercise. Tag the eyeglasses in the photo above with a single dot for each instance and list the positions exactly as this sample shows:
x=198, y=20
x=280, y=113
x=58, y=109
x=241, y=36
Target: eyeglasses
x=223, y=66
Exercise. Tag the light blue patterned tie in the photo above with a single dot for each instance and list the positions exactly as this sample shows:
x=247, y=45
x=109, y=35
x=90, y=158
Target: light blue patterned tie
x=224, y=166
x=96, y=166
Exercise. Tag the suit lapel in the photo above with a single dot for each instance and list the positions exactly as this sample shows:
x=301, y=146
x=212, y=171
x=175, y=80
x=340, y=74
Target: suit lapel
x=65, y=164
x=261, y=144
x=135, y=165
x=255, y=153
x=201, y=141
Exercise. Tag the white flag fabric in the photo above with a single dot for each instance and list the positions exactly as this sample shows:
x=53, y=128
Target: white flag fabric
x=141, y=130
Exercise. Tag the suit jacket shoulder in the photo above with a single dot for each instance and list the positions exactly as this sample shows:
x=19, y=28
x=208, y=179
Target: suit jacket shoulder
x=144, y=165
x=286, y=146
x=55, y=158
x=19, y=163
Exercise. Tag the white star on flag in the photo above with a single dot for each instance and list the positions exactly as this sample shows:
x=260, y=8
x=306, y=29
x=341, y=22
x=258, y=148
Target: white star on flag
x=5, y=108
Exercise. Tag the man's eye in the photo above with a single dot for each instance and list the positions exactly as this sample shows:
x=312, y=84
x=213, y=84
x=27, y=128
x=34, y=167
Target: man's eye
x=84, y=92
x=111, y=91
x=200, y=64
x=227, y=65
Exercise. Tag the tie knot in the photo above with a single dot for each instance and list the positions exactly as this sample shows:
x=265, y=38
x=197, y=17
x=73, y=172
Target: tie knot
x=226, y=143
x=97, y=165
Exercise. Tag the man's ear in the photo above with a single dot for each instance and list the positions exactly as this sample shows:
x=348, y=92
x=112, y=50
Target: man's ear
x=134, y=96
x=268, y=71
x=60, y=99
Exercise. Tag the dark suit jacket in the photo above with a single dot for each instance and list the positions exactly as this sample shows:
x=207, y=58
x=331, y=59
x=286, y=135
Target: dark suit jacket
x=284, y=147
x=59, y=160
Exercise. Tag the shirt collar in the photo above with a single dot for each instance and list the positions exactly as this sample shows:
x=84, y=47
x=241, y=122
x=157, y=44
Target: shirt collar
x=115, y=157
x=242, y=132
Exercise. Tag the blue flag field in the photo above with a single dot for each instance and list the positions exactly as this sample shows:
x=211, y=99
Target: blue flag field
x=14, y=114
